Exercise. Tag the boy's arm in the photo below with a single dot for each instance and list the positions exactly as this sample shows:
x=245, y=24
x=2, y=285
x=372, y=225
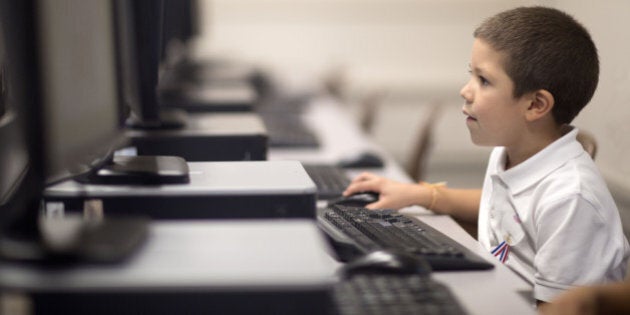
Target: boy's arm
x=461, y=204
x=591, y=300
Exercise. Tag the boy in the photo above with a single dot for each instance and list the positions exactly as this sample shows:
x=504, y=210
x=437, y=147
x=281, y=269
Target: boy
x=544, y=209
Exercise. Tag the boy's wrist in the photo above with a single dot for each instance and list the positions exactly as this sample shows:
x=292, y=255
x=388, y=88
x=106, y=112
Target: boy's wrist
x=430, y=194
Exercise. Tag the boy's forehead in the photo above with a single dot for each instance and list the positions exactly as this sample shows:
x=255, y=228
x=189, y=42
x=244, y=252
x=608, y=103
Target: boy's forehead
x=485, y=57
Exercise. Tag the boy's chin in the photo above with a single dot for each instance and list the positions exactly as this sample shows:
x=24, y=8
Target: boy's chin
x=478, y=141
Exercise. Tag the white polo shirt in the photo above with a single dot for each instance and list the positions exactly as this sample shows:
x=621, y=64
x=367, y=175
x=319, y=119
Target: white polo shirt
x=556, y=216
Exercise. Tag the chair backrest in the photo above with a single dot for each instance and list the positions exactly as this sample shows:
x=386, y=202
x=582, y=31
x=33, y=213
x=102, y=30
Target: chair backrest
x=588, y=142
x=335, y=82
x=417, y=163
x=369, y=109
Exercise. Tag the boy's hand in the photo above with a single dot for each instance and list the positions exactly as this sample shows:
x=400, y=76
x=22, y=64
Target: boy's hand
x=392, y=194
x=579, y=301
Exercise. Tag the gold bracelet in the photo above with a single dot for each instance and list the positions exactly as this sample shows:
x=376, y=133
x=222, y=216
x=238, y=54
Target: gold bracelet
x=434, y=192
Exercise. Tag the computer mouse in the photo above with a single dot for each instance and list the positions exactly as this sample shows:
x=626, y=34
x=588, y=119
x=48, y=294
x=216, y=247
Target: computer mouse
x=387, y=262
x=363, y=160
x=356, y=200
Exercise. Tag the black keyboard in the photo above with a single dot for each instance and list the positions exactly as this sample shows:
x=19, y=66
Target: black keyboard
x=330, y=180
x=292, y=138
x=369, y=230
x=394, y=294
x=287, y=130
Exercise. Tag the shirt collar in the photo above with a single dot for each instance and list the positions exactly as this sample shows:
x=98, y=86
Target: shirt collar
x=540, y=164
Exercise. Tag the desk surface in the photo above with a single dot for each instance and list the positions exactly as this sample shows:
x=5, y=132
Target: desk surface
x=207, y=255
x=497, y=291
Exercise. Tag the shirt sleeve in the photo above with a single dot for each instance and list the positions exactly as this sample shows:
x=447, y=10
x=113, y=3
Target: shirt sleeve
x=573, y=246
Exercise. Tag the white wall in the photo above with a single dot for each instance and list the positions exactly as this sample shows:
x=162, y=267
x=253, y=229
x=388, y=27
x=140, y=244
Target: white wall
x=608, y=113
x=398, y=43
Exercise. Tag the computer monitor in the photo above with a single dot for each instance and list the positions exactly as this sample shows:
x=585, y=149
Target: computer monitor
x=3, y=88
x=143, y=29
x=202, y=134
x=78, y=79
x=126, y=61
x=215, y=84
x=180, y=25
x=20, y=183
x=63, y=119
x=138, y=169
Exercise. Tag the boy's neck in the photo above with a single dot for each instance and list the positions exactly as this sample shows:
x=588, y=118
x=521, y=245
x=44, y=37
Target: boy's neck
x=535, y=141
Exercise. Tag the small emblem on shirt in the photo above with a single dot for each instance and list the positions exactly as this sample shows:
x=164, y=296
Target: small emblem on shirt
x=508, y=239
x=502, y=251
x=517, y=219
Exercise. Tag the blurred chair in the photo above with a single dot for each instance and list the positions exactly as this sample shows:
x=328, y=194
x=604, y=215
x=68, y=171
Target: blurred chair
x=369, y=109
x=587, y=140
x=417, y=163
x=335, y=82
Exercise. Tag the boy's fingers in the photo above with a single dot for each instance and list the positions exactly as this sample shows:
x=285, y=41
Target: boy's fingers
x=360, y=187
x=375, y=205
x=351, y=189
x=362, y=177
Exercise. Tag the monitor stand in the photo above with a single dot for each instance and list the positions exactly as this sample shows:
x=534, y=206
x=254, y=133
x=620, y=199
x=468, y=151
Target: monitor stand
x=188, y=73
x=214, y=97
x=75, y=239
x=102, y=240
x=211, y=86
x=168, y=119
x=141, y=170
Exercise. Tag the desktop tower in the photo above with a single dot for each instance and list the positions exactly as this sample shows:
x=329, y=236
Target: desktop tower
x=217, y=190
x=207, y=137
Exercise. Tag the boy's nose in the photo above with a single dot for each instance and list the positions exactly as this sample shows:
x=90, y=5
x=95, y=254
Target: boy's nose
x=466, y=93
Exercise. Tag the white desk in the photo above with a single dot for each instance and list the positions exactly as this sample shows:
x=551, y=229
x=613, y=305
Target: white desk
x=498, y=291
x=191, y=267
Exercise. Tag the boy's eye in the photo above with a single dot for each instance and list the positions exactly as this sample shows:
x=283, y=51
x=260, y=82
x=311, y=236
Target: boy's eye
x=483, y=80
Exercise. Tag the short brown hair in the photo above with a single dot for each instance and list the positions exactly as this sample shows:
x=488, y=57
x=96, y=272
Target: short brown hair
x=545, y=49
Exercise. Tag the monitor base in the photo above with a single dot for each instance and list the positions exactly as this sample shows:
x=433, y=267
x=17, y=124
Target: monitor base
x=141, y=170
x=97, y=241
x=169, y=119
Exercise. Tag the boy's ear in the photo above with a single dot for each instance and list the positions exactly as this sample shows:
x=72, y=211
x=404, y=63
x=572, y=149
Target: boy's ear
x=541, y=103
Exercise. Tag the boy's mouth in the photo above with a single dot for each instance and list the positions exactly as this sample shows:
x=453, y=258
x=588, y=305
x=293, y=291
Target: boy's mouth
x=469, y=117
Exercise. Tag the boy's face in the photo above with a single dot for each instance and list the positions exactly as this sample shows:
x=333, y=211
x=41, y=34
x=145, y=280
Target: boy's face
x=494, y=116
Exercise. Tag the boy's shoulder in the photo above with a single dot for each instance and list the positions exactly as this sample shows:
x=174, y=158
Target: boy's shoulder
x=577, y=178
x=561, y=169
